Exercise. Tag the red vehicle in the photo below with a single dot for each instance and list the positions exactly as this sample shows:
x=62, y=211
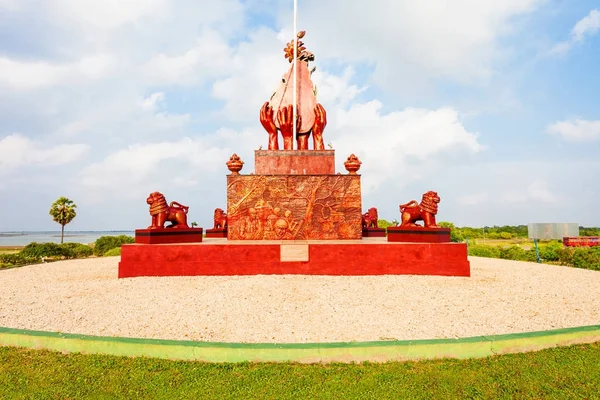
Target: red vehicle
x=579, y=241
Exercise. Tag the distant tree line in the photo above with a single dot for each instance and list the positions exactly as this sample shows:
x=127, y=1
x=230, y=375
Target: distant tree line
x=459, y=234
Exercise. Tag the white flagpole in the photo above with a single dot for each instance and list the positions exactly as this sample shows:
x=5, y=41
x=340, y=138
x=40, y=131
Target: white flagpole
x=295, y=65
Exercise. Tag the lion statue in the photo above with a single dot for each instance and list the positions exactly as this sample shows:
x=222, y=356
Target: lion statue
x=162, y=212
x=426, y=211
x=369, y=219
x=220, y=219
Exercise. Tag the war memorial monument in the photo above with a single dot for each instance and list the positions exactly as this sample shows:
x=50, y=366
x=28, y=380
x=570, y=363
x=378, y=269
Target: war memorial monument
x=294, y=214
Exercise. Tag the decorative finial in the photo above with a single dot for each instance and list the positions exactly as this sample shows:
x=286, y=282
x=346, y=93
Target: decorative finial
x=235, y=164
x=352, y=164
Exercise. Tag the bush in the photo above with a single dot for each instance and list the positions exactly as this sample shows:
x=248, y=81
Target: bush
x=517, y=253
x=587, y=258
x=113, y=252
x=15, y=260
x=484, y=251
x=106, y=243
x=506, y=235
x=455, y=235
x=550, y=251
x=51, y=250
x=79, y=250
x=565, y=256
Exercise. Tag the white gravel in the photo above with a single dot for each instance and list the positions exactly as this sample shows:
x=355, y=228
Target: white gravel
x=85, y=297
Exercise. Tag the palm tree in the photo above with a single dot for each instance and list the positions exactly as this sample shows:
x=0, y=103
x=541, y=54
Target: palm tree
x=63, y=212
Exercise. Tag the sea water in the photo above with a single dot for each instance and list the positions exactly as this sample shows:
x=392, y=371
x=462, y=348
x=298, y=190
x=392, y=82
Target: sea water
x=85, y=237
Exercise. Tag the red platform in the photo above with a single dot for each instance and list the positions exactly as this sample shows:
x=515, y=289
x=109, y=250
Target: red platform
x=216, y=233
x=418, y=234
x=373, y=232
x=357, y=257
x=294, y=162
x=168, y=235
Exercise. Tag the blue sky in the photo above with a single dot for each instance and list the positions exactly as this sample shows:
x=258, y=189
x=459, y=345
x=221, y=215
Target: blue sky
x=494, y=104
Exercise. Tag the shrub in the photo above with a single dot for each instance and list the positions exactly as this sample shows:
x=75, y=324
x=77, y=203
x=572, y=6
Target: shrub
x=79, y=250
x=455, y=234
x=15, y=260
x=52, y=250
x=517, y=253
x=106, y=243
x=506, y=235
x=587, y=258
x=484, y=251
x=550, y=251
x=113, y=252
x=565, y=256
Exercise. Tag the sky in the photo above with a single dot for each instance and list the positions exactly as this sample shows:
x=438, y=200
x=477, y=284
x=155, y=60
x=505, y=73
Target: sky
x=493, y=104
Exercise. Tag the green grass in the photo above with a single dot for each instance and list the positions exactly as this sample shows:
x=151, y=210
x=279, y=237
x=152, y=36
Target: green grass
x=559, y=373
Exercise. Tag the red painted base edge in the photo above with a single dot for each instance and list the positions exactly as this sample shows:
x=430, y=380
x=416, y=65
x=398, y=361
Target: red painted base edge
x=418, y=235
x=448, y=259
x=373, y=232
x=168, y=235
x=216, y=233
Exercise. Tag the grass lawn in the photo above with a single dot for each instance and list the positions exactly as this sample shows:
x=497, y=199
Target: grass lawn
x=568, y=372
x=10, y=249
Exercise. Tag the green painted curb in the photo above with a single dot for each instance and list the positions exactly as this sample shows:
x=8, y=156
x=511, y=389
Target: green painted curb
x=376, y=351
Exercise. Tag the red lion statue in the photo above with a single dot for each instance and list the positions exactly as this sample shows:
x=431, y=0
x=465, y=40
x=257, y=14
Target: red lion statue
x=162, y=212
x=220, y=219
x=426, y=211
x=369, y=219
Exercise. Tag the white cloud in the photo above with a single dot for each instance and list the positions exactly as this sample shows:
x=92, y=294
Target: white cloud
x=473, y=199
x=255, y=69
x=427, y=39
x=397, y=141
x=585, y=27
x=17, y=150
x=577, y=130
x=151, y=102
x=9, y=5
x=211, y=57
x=519, y=192
x=105, y=14
x=25, y=75
x=144, y=162
x=536, y=192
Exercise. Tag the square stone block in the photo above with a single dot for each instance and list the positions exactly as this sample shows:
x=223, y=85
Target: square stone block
x=293, y=207
x=294, y=162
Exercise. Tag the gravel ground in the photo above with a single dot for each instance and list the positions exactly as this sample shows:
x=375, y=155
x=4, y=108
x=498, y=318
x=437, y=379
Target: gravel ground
x=85, y=296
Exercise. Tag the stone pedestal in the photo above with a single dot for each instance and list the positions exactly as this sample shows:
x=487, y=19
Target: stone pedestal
x=373, y=232
x=418, y=234
x=294, y=162
x=352, y=257
x=216, y=233
x=168, y=235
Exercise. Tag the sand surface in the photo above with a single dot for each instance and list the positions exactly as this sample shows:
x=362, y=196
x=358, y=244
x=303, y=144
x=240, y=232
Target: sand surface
x=85, y=297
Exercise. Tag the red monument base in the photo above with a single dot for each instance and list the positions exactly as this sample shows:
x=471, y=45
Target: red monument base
x=373, y=232
x=174, y=235
x=418, y=234
x=216, y=233
x=355, y=257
